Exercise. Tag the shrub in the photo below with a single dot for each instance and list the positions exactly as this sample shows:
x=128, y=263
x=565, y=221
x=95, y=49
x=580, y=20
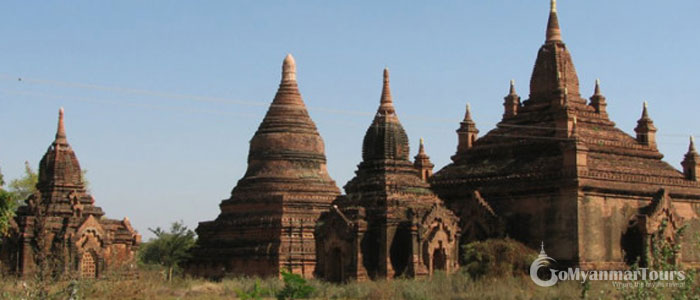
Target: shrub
x=497, y=258
x=295, y=287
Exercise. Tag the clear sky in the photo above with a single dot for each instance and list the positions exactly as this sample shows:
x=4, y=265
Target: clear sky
x=162, y=97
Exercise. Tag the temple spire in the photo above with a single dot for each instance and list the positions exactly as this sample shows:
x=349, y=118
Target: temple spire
x=511, y=102
x=598, y=100
x=646, y=131
x=691, y=147
x=468, y=113
x=289, y=69
x=553, y=31
x=691, y=162
x=422, y=162
x=61, y=130
x=386, y=104
x=645, y=113
x=467, y=133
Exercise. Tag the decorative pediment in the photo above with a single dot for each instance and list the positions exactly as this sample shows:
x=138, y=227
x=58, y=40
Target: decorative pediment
x=92, y=224
x=439, y=218
x=659, y=210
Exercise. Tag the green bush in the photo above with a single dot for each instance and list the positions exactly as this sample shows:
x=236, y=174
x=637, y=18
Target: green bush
x=497, y=258
x=295, y=287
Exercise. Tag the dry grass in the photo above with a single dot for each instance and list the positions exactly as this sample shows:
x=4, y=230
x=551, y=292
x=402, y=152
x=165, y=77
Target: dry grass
x=151, y=285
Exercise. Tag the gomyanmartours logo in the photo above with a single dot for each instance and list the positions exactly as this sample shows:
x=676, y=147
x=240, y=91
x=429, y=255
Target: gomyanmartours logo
x=543, y=262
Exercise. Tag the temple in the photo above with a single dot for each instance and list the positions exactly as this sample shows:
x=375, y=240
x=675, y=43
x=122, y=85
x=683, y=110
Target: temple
x=557, y=169
x=60, y=229
x=390, y=223
x=267, y=225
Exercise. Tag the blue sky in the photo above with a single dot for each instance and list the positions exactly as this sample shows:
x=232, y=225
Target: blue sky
x=162, y=97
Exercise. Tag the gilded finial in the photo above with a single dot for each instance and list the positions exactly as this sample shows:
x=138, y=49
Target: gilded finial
x=553, y=6
x=421, y=142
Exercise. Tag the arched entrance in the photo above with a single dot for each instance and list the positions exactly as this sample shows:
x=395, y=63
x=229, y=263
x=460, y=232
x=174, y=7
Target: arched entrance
x=439, y=257
x=400, y=251
x=88, y=265
x=335, y=266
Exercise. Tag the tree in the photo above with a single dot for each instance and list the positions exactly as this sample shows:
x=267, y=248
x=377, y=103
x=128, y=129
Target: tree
x=7, y=209
x=24, y=186
x=168, y=249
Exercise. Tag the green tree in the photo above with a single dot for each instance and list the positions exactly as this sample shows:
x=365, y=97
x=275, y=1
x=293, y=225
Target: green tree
x=24, y=186
x=7, y=209
x=168, y=249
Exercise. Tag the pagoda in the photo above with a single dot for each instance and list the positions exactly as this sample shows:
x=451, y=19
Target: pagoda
x=267, y=225
x=557, y=169
x=389, y=223
x=60, y=229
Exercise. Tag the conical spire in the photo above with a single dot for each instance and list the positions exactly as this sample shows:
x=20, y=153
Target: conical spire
x=691, y=147
x=288, y=91
x=61, y=130
x=289, y=69
x=59, y=166
x=511, y=102
x=646, y=131
x=386, y=103
x=385, y=138
x=422, y=162
x=553, y=31
x=421, y=147
x=598, y=100
x=691, y=162
x=468, y=113
x=466, y=133
x=554, y=77
x=645, y=113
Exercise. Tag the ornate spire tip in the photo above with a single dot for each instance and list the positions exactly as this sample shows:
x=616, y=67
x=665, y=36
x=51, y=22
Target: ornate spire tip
x=289, y=68
x=61, y=130
x=553, y=6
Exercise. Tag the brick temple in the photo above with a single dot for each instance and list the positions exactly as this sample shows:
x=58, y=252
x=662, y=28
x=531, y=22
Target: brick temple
x=268, y=223
x=389, y=223
x=557, y=169
x=61, y=229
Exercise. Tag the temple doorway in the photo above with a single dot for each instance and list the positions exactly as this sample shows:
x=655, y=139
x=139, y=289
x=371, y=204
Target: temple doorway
x=439, y=257
x=400, y=251
x=88, y=265
x=335, y=266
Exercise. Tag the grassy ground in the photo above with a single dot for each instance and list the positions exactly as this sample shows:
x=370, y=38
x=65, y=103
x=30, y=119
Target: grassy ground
x=151, y=285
